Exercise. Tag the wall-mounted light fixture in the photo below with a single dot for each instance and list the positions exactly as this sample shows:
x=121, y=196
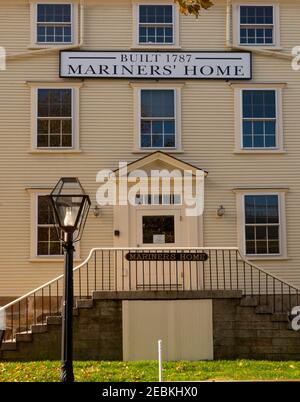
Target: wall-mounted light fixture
x=221, y=211
x=96, y=211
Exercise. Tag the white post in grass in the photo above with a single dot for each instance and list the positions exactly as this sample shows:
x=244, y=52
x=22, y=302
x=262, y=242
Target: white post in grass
x=160, y=375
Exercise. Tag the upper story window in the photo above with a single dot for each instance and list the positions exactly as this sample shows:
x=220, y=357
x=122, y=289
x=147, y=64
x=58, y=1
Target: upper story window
x=156, y=24
x=54, y=23
x=262, y=224
x=259, y=118
x=157, y=118
x=54, y=118
x=256, y=25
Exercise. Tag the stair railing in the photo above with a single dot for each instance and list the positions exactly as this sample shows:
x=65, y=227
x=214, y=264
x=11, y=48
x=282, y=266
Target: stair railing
x=187, y=269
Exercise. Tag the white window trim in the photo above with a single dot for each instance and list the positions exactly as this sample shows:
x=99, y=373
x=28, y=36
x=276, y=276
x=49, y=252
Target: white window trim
x=236, y=25
x=75, y=116
x=137, y=87
x=135, y=28
x=240, y=205
x=238, y=108
x=34, y=257
x=33, y=24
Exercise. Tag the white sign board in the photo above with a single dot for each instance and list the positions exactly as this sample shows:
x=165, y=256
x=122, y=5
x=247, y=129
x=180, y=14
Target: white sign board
x=158, y=65
x=159, y=239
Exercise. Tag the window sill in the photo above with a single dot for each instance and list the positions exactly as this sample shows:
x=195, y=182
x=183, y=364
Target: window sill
x=49, y=259
x=262, y=47
x=55, y=151
x=156, y=47
x=260, y=151
x=165, y=150
x=266, y=258
x=51, y=46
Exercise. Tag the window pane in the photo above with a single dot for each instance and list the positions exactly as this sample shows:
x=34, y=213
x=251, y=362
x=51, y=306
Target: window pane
x=54, y=13
x=55, y=248
x=261, y=233
x=54, y=102
x=158, y=226
x=261, y=247
x=274, y=247
x=156, y=14
x=250, y=247
x=146, y=141
x=157, y=127
x=273, y=232
x=250, y=208
x=169, y=141
x=44, y=211
x=42, y=248
x=157, y=141
x=250, y=233
x=42, y=141
x=43, y=126
x=256, y=15
x=43, y=233
x=157, y=103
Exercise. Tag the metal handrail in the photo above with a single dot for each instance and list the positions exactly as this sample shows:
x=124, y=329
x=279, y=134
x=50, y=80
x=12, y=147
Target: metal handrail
x=107, y=269
x=88, y=258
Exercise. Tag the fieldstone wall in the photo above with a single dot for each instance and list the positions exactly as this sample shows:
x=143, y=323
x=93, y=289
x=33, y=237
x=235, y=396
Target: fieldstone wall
x=249, y=332
x=97, y=335
x=241, y=329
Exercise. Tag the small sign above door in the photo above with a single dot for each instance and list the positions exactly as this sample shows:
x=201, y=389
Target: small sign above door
x=157, y=65
x=168, y=256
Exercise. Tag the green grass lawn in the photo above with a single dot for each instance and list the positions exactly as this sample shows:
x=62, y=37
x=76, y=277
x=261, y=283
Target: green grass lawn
x=147, y=371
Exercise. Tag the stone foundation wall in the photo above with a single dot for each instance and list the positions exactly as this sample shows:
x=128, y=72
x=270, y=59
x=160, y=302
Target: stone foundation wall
x=245, y=333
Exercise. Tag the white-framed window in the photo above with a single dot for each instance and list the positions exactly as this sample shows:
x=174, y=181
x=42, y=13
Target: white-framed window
x=156, y=24
x=158, y=118
x=258, y=116
x=256, y=24
x=55, y=117
x=261, y=223
x=53, y=23
x=45, y=244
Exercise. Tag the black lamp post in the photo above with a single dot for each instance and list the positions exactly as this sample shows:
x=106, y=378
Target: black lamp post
x=70, y=206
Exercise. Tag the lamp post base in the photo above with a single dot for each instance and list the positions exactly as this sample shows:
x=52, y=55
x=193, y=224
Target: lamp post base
x=66, y=373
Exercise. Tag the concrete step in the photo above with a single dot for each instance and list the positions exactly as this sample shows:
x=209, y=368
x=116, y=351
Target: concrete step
x=24, y=337
x=85, y=303
x=279, y=317
x=249, y=301
x=9, y=345
x=38, y=328
x=264, y=309
x=54, y=320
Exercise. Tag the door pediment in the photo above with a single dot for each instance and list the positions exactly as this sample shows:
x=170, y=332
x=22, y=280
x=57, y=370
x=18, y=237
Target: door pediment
x=160, y=161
